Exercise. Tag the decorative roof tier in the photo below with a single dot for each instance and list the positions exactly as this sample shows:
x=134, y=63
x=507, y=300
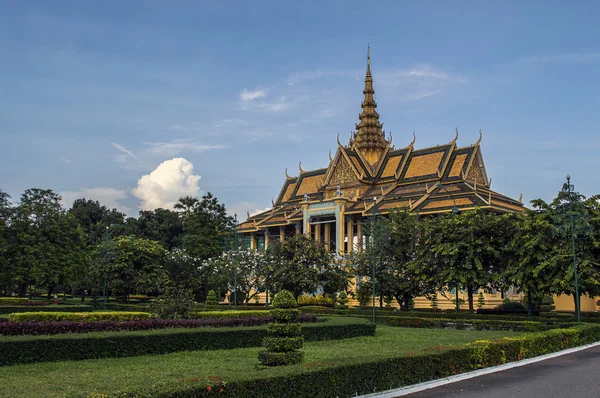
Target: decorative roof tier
x=370, y=175
x=369, y=137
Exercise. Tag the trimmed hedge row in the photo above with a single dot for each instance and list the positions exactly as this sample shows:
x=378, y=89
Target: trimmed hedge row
x=50, y=328
x=230, y=314
x=369, y=376
x=548, y=317
x=77, y=316
x=29, y=349
x=9, y=309
x=431, y=323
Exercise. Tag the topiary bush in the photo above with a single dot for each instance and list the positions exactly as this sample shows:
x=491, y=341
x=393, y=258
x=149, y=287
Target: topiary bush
x=211, y=298
x=342, y=300
x=480, y=300
x=284, y=336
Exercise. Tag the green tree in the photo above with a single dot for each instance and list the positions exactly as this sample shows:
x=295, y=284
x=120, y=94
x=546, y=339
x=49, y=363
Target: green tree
x=131, y=264
x=94, y=218
x=6, y=283
x=206, y=228
x=301, y=265
x=48, y=247
x=464, y=251
x=162, y=225
x=251, y=271
x=394, y=249
x=559, y=261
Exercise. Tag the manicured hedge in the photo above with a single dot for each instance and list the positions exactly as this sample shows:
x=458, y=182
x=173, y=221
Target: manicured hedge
x=502, y=311
x=29, y=349
x=230, y=314
x=367, y=376
x=419, y=314
x=432, y=323
x=77, y=316
x=7, y=309
x=50, y=328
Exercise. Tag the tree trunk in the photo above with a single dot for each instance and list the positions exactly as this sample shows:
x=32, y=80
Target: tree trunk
x=575, y=302
x=380, y=301
x=470, y=298
x=529, y=305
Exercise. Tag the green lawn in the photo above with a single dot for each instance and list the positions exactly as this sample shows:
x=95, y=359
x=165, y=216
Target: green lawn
x=76, y=378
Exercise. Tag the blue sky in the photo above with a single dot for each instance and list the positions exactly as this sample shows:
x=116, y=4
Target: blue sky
x=95, y=96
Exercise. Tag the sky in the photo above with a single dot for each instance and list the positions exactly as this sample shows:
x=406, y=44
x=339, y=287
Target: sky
x=136, y=103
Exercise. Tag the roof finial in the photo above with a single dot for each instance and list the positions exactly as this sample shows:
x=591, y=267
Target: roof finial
x=286, y=173
x=413, y=141
x=480, y=136
x=300, y=167
x=521, y=197
x=369, y=59
x=272, y=203
x=330, y=158
x=455, y=137
x=338, y=140
x=248, y=213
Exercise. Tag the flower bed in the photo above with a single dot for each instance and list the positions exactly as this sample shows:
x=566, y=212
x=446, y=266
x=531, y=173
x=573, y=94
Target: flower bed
x=50, y=328
x=77, y=316
x=63, y=347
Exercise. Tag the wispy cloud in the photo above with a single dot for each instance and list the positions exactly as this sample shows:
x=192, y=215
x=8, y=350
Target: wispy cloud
x=125, y=152
x=570, y=58
x=65, y=160
x=247, y=95
x=230, y=123
x=174, y=147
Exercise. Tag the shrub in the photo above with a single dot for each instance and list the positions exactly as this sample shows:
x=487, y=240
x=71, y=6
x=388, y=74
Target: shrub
x=20, y=301
x=231, y=314
x=319, y=299
x=211, y=298
x=30, y=349
x=342, y=300
x=367, y=376
x=50, y=328
x=547, y=304
x=284, y=337
x=476, y=324
x=510, y=306
x=174, y=304
x=77, y=316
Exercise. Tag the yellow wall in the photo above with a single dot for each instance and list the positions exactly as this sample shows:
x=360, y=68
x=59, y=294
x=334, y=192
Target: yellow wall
x=565, y=303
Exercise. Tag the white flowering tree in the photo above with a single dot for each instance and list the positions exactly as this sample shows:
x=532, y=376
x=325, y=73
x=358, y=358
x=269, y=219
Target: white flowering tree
x=251, y=269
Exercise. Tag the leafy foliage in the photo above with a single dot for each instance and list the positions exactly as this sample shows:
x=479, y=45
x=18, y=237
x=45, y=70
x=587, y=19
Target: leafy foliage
x=301, y=265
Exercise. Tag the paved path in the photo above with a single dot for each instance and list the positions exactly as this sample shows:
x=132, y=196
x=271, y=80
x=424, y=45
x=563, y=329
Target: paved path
x=573, y=375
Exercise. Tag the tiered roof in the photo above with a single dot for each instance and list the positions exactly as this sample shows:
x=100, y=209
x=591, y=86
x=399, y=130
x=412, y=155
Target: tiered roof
x=372, y=175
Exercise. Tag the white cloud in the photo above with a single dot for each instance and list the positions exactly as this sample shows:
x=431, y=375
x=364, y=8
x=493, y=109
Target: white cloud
x=108, y=197
x=176, y=146
x=125, y=152
x=65, y=160
x=247, y=95
x=171, y=180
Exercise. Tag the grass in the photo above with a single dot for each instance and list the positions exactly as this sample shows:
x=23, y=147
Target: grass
x=77, y=378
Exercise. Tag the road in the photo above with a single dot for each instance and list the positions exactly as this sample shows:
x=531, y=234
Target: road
x=573, y=376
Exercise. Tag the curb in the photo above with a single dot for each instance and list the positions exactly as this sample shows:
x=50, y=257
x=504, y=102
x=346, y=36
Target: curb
x=403, y=391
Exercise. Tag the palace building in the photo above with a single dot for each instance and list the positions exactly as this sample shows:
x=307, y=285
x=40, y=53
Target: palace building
x=369, y=176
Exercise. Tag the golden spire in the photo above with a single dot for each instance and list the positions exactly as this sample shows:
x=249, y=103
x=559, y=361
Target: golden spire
x=369, y=138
